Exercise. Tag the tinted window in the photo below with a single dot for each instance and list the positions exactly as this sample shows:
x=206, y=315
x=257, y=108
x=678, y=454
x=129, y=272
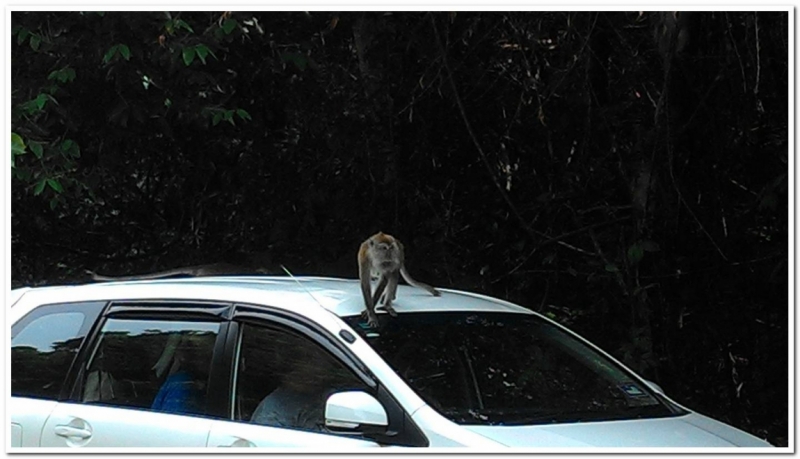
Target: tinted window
x=506, y=369
x=43, y=346
x=283, y=379
x=150, y=364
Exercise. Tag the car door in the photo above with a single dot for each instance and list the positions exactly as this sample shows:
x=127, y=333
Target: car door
x=79, y=425
x=44, y=345
x=144, y=381
x=283, y=372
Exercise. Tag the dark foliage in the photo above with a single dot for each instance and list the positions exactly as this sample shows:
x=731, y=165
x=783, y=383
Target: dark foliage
x=624, y=173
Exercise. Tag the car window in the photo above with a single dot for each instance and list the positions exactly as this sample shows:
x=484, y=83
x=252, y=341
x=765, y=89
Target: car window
x=507, y=369
x=283, y=379
x=151, y=364
x=44, y=344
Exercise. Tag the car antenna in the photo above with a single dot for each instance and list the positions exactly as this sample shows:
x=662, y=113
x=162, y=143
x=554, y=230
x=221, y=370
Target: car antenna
x=300, y=284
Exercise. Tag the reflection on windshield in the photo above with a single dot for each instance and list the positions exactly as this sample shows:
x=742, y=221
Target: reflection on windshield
x=506, y=369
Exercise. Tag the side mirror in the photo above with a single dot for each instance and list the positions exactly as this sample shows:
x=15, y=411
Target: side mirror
x=355, y=411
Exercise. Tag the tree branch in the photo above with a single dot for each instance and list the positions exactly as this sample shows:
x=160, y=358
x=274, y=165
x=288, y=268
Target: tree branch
x=531, y=232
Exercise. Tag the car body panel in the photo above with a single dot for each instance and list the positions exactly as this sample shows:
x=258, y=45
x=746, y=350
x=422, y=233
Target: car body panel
x=325, y=301
x=235, y=434
x=28, y=417
x=645, y=433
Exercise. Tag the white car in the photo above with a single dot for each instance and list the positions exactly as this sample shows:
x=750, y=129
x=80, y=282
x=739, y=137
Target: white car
x=284, y=362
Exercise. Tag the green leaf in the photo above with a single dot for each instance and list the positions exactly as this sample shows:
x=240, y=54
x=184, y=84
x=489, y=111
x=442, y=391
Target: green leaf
x=110, y=54
x=635, y=253
x=23, y=174
x=612, y=268
x=228, y=116
x=28, y=107
x=202, y=52
x=63, y=75
x=35, y=41
x=180, y=23
x=41, y=100
x=66, y=145
x=188, y=56
x=23, y=34
x=39, y=187
x=36, y=148
x=53, y=203
x=17, y=145
x=228, y=25
x=125, y=52
x=216, y=118
x=55, y=185
x=70, y=148
x=243, y=114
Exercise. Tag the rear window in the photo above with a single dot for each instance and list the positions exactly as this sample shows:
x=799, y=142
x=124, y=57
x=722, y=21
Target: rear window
x=44, y=345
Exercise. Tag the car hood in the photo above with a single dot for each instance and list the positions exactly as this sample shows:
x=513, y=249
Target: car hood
x=691, y=430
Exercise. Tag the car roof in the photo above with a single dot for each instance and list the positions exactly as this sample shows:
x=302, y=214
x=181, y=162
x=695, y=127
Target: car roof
x=341, y=297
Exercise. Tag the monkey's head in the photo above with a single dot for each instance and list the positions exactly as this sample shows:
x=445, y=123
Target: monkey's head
x=385, y=250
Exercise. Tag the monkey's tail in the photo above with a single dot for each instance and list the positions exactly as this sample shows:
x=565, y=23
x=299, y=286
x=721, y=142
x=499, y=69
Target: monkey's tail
x=96, y=277
x=100, y=278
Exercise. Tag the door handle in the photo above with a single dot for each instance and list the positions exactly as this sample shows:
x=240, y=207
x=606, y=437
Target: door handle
x=72, y=432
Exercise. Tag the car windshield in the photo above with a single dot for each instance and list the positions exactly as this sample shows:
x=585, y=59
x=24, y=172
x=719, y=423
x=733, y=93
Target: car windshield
x=507, y=369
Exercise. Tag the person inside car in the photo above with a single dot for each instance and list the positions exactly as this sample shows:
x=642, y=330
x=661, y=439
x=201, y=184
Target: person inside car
x=179, y=392
x=299, y=400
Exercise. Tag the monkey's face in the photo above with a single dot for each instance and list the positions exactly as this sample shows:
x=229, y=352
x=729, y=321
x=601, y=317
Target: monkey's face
x=384, y=251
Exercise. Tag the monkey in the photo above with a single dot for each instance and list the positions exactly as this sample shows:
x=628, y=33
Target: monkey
x=214, y=269
x=383, y=256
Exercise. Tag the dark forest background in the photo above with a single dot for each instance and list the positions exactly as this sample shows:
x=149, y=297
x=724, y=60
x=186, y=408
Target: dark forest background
x=623, y=173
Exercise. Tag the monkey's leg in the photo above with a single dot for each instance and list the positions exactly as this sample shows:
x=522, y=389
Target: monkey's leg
x=372, y=318
x=380, y=289
x=390, y=309
x=391, y=294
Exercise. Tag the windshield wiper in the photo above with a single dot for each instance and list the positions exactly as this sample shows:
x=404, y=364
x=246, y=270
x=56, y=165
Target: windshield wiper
x=499, y=417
